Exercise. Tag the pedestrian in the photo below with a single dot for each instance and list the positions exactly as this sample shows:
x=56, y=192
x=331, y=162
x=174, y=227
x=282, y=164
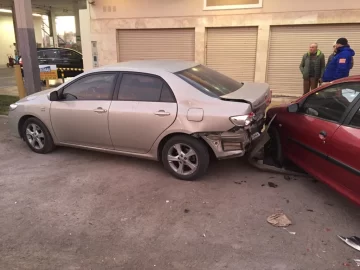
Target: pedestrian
x=331, y=56
x=341, y=63
x=312, y=67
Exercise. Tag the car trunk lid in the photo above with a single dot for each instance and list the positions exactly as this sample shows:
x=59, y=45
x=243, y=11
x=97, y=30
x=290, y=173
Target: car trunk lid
x=258, y=95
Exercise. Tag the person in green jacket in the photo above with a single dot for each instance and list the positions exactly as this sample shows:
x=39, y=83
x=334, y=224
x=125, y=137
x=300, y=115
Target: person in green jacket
x=312, y=67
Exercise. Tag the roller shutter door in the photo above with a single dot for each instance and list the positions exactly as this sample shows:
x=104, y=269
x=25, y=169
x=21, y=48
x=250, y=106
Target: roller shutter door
x=141, y=44
x=289, y=43
x=232, y=51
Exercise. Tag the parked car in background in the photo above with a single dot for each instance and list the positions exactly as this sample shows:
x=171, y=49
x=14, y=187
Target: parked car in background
x=67, y=59
x=177, y=112
x=320, y=133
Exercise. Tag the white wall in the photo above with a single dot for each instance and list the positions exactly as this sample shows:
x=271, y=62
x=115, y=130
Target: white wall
x=7, y=36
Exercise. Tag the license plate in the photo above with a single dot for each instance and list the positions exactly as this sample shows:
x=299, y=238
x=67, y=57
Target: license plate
x=255, y=136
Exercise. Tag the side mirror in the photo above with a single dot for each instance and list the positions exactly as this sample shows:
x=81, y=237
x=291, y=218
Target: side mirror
x=54, y=96
x=293, y=108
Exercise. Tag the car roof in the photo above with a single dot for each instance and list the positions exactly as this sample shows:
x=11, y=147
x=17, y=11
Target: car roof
x=162, y=65
x=348, y=79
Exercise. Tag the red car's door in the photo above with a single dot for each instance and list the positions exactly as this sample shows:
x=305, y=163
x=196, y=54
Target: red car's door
x=344, y=150
x=308, y=134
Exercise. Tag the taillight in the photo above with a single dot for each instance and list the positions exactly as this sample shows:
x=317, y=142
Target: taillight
x=243, y=120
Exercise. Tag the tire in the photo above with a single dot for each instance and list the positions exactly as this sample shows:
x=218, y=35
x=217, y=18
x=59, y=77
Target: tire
x=37, y=136
x=194, y=163
x=275, y=147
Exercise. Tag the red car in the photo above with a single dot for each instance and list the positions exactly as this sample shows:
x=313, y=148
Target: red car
x=320, y=133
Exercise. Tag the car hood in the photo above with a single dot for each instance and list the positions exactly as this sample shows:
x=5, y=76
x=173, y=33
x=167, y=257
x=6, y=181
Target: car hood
x=35, y=95
x=256, y=94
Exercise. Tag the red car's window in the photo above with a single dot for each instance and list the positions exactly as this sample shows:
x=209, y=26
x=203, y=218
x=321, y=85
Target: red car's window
x=331, y=103
x=355, y=122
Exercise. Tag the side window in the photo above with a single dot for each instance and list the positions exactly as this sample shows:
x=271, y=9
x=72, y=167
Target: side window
x=93, y=87
x=138, y=87
x=332, y=102
x=167, y=95
x=355, y=122
x=46, y=54
x=69, y=54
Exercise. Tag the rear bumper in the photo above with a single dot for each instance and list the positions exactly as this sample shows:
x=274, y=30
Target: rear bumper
x=234, y=143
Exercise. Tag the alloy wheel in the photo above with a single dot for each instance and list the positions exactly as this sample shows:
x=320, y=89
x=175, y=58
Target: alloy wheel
x=35, y=136
x=183, y=159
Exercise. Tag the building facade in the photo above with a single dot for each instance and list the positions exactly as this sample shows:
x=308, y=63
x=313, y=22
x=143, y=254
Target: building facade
x=249, y=40
x=7, y=37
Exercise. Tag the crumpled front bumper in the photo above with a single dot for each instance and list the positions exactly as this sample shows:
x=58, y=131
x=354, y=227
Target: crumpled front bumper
x=235, y=142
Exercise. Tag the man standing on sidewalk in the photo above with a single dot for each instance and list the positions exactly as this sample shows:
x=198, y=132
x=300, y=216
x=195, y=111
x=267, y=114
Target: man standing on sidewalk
x=312, y=67
x=340, y=62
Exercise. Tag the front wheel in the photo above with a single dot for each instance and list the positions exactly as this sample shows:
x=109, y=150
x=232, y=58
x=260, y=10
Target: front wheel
x=185, y=157
x=37, y=136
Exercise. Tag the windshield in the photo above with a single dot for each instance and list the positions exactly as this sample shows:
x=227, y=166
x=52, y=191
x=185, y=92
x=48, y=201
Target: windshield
x=209, y=81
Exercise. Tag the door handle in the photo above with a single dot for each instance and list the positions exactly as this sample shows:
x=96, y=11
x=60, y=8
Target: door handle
x=322, y=135
x=162, y=113
x=100, y=110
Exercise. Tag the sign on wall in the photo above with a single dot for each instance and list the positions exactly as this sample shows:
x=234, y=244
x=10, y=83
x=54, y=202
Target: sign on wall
x=48, y=72
x=231, y=4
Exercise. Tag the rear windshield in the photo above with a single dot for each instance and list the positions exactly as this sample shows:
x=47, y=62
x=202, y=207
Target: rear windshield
x=209, y=81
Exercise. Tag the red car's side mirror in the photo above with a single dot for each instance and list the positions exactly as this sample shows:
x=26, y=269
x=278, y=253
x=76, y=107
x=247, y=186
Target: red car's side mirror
x=293, y=108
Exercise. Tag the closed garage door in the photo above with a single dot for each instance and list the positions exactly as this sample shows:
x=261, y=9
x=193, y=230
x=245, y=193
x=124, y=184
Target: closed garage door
x=289, y=43
x=232, y=51
x=143, y=44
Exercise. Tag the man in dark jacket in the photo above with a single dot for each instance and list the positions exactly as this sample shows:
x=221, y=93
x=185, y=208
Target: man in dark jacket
x=340, y=65
x=331, y=56
x=312, y=67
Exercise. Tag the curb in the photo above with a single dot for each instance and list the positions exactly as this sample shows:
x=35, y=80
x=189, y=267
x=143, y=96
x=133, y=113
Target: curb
x=3, y=116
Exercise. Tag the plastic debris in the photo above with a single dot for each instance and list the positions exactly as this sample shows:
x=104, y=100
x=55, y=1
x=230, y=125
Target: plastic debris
x=167, y=201
x=352, y=241
x=357, y=261
x=279, y=220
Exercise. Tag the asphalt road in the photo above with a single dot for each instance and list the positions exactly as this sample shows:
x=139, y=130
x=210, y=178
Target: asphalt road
x=75, y=209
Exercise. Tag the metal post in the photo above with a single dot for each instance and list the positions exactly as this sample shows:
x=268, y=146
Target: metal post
x=27, y=45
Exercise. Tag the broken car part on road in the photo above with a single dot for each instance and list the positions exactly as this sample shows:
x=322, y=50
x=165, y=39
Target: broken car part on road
x=352, y=241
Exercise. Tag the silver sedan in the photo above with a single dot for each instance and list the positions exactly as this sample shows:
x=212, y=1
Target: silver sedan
x=180, y=113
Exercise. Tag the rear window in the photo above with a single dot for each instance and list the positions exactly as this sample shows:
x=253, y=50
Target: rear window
x=209, y=81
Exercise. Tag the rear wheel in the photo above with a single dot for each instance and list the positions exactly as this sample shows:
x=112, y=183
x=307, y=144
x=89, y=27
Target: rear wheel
x=37, y=136
x=185, y=157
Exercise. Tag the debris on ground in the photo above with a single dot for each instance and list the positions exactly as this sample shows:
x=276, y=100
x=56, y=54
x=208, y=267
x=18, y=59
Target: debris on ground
x=287, y=177
x=186, y=210
x=239, y=182
x=329, y=204
x=272, y=185
x=167, y=201
x=352, y=241
x=263, y=185
x=279, y=220
x=357, y=261
x=309, y=210
x=328, y=229
x=293, y=233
